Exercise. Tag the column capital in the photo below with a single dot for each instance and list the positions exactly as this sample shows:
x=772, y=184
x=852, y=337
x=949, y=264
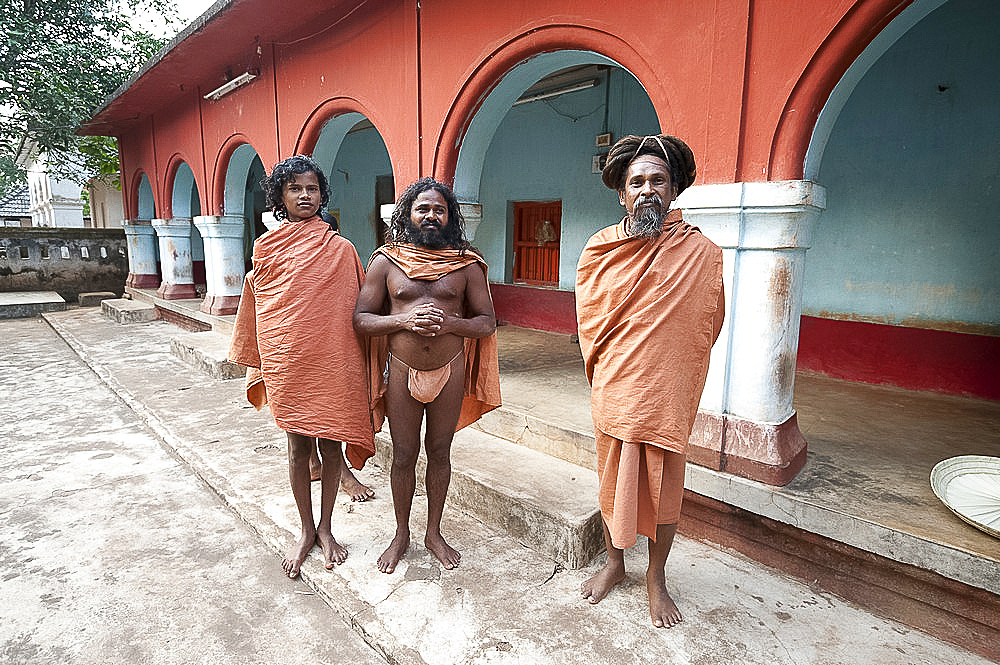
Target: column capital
x=219, y=226
x=755, y=215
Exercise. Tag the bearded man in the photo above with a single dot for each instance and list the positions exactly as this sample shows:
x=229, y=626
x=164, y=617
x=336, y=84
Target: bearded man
x=425, y=304
x=650, y=306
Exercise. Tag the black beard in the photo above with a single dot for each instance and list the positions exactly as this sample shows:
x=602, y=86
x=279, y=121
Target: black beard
x=430, y=238
x=647, y=221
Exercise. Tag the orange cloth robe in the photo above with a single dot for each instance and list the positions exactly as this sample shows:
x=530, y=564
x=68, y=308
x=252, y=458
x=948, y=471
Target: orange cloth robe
x=482, y=366
x=294, y=329
x=648, y=313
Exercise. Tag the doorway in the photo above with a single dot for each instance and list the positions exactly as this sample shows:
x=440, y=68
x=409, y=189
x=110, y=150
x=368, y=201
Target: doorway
x=536, y=242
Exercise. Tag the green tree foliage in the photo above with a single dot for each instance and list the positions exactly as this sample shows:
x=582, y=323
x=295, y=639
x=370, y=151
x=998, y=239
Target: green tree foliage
x=59, y=61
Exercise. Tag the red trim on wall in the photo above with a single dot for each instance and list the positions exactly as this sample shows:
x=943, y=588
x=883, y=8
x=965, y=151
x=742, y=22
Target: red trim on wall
x=530, y=307
x=913, y=358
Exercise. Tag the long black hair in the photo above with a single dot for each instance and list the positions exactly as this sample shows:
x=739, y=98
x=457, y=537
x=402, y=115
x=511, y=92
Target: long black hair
x=401, y=229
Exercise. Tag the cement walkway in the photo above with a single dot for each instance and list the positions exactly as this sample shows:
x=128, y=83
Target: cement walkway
x=506, y=603
x=113, y=552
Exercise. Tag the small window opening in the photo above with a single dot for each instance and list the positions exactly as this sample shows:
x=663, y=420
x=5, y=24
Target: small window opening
x=85, y=252
x=23, y=252
x=64, y=252
x=45, y=252
x=104, y=252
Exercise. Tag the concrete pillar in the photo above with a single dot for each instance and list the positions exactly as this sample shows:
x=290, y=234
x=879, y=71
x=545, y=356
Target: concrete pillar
x=174, y=236
x=141, y=238
x=223, y=238
x=472, y=211
x=269, y=220
x=746, y=424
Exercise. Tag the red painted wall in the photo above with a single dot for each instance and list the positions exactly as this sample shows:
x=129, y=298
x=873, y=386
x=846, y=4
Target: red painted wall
x=538, y=308
x=914, y=358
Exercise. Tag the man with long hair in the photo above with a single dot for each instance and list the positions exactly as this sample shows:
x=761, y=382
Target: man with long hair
x=426, y=306
x=294, y=331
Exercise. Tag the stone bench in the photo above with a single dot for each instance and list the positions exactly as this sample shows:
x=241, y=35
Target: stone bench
x=128, y=311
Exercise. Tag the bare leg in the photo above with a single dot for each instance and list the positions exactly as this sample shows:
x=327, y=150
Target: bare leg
x=613, y=572
x=352, y=486
x=405, y=414
x=333, y=459
x=662, y=609
x=442, y=416
x=298, y=475
x=315, y=468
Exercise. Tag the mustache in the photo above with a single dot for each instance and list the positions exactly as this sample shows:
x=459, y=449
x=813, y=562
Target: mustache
x=652, y=199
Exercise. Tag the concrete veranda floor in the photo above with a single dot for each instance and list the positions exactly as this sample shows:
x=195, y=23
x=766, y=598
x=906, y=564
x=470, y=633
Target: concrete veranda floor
x=505, y=603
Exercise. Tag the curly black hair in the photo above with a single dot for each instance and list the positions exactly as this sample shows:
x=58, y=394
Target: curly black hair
x=401, y=229
x=274, y=184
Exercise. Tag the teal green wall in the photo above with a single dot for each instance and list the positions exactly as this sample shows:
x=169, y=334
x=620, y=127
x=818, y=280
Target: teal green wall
x=541, y=152
x=911, y=233
x=362, y=156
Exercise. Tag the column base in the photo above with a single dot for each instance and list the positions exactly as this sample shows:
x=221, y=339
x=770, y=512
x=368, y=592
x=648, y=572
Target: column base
x=220, y=305
x=176, y=291
x=771, y=454
x=142, y=281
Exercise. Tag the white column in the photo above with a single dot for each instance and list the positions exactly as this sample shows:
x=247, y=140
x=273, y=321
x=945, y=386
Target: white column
x=764, y=229
x=141, y=238
x=174, y=236
x=224, y=268
x=473, y=213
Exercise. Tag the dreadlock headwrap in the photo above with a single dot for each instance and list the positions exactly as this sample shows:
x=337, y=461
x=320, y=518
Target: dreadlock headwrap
x=676, y=153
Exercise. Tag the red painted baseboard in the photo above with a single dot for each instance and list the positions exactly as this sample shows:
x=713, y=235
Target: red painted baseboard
x=533, y=307
x=913, y=358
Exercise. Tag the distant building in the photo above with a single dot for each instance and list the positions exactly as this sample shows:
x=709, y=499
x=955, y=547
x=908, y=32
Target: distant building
x=54, y=202
x=14, y=209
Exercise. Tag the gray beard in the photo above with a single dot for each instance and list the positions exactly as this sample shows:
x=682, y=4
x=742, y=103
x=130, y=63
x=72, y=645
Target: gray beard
x=648, y=223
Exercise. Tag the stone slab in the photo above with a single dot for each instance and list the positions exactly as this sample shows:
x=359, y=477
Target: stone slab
x=125, y=311
x=94, y=298
x=547, y=504
x=27, y=304
x=207, y=351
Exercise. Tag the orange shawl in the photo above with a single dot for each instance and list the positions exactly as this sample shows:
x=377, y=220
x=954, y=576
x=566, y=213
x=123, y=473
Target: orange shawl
x=294, y=324
x=482, y=366
x=648, y=312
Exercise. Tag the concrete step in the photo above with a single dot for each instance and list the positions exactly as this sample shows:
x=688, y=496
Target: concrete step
x=208, y=352
x=562, y=441
x=94, y=298
x=128, y=311
x=547, y=504
x=27, y=304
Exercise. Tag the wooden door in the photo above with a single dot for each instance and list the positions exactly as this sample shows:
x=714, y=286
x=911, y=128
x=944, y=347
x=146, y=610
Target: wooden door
x=536, y=242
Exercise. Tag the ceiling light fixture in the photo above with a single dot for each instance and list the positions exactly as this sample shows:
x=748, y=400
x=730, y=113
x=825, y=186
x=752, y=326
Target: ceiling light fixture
x=231, y=85
x=582, y=85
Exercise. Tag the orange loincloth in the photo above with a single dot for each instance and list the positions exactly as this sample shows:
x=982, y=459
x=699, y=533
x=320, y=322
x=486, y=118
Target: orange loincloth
x=482, y=366
x=294, y=331
x=648, y=313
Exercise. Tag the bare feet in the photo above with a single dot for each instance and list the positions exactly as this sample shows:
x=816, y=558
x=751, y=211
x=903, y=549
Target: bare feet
x=598, y=586
x=445, y=553
x=292, y=562
x=662, y=609
x=354, y=488
x=333, y=552
x=397, y=548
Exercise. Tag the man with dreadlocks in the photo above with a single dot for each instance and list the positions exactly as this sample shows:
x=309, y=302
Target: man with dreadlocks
x=649, y=305
x=426, y=306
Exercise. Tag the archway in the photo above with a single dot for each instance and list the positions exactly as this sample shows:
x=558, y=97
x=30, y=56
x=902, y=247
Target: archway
x=901, y=284
x=354, y=157
x=533, y=151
